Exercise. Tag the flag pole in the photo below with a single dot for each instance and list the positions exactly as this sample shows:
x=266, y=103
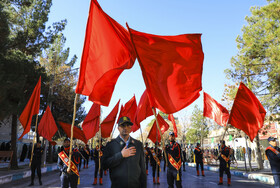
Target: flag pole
x=154, y=111
x=72, y=130
x=34, y=139
x=99, y=147
x=141, y=135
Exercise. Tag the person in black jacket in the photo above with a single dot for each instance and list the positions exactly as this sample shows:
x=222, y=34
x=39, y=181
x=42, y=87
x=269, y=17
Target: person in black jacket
x=199, y=159
x=155, y=158
x=36, y=163
x=124, y=157
x=68, y=176
x=273, y=155
x=173, y=154
x=96, y=155
x=147, y=157
x=184, y=158
x=224, y=159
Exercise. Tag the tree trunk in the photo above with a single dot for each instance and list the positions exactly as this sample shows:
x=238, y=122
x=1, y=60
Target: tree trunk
x=259, y=155
x=14, y=163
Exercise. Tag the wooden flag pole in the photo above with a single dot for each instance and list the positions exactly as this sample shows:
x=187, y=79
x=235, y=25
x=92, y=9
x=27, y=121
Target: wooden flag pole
x=72, y=130
x=34, y=140
x=141, y=135
x=99, y=147
x=154, y=111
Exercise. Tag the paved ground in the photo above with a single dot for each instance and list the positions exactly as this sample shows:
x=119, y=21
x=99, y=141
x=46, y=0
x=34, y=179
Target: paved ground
x=51, y=179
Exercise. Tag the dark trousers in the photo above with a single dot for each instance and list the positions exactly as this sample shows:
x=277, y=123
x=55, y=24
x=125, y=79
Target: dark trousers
x=164, y=166
x=223, y=169
x=86, y=161
x=69, y=179
x=147, y=162
x=80, y=164
x=35, y=165
x=172, y=176
x=96, y=170
x=184, y=165
x=155, y=168
x=201, y=166
x=276, y=177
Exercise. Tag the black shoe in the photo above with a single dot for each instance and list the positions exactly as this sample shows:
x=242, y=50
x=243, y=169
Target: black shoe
x=220, y=183
x=40, y=182
x=228, y=184
x=203, y=175
x=31, y=184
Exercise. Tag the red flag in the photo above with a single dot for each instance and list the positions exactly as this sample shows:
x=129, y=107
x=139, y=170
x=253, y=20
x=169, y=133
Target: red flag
x=163, y=127
x=47, y=126
x=214, y=110
x=247, y=112
x=171, y=118
x=77, y=133
x=107, y=52
x=129, y=109
x=108, y=123
x=31, y=109
x=143, y=111
x=171, y=67
x=92, y=121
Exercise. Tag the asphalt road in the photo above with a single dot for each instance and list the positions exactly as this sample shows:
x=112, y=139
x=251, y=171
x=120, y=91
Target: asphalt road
x=190, y=180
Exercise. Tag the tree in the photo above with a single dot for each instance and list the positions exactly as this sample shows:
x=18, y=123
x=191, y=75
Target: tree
x=23, y=25
x=257, y=62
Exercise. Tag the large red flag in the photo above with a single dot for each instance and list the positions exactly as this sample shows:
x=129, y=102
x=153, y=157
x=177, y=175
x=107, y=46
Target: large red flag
x=143, y=111
x=31, y=109
x=171, y=67
x=92, y=121
x=163, y=125
x=108, y=123
x=47, y=126
x=107, y=52
x=214, y=110
x=247, y=112
x=171, y=118
x=77, y=133
x=129, y=109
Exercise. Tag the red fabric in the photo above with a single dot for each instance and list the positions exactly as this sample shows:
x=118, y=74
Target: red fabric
x=143, y=111
x=31, y=109
x=163, y=127
x=91, y=123
x=77, y=132
x=247, y=112
x=47, y=126
x=171, y=118
x=108, y=123
x=214, y=110
x=171, y=67
x=129, y=109
x=107, y=52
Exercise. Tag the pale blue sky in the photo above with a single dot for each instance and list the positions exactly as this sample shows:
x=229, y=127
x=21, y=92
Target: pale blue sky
x=220, y=22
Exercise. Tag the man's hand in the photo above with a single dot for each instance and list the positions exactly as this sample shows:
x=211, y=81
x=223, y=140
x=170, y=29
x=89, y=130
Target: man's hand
x=127, y=152
x=68, y=170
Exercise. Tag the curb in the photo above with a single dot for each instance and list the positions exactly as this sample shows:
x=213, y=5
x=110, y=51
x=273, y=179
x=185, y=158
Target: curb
x=268, y=179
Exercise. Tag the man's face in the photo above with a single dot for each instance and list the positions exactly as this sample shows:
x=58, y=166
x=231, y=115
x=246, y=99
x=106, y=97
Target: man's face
x=38, y=144
x=171, y=138
x=66, y=143
x=124, y=129
x=273, y=143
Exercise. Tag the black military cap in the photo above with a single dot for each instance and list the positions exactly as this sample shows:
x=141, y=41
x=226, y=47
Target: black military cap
x=271, y=139
x=123, y=120
x=171, y=133
x=197, y=144
x=66, y=139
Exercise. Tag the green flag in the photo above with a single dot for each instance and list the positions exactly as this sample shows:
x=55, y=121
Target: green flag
x=230, y=137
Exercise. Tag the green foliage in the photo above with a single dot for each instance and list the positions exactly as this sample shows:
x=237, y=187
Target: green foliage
x=198, y=128
x=258, y=58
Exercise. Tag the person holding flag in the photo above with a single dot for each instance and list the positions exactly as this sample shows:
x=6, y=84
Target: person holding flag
x=199, y=159
x=98, y=153
x=68, y=176
x=273, y=155
x=86, y=154
x=155, y=157
x=173, y=152
x=36, y=163
x=147, y=156
x=224, y=159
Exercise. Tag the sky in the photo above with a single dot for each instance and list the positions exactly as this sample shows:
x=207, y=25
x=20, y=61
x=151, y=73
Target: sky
x=220, y=22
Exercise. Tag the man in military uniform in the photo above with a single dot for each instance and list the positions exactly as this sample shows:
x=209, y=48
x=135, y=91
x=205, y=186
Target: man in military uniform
x=86, y=154
x=224, y=159
x=36, y=163
x=155, y=157
x=184, y=158
x=173, y=152
x=199, y=159
x=273, y=155
x=147, y=156
x=98, y=154
x=124, y=157
x=68, y=176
